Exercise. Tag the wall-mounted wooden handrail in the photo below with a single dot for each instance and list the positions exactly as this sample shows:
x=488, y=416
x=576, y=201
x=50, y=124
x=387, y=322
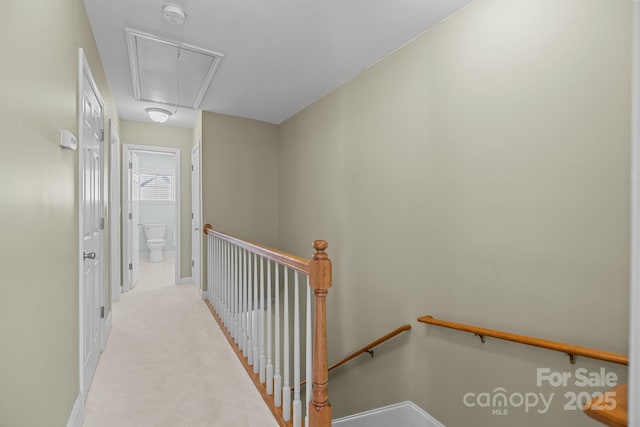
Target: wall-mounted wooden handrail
x=370, y=346
x=367, y=348
x=283, y=258
x=569, y=349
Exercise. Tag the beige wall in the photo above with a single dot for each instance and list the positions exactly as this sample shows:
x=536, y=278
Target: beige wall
x=240, y=177
x=481, y=175
x=39, y=208
x=197, y=129
x=157, y=135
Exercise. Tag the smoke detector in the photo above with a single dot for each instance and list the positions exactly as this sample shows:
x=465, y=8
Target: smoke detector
x=173, y=14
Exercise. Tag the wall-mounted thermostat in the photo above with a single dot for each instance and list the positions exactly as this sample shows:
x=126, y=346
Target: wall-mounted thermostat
x=67, y=140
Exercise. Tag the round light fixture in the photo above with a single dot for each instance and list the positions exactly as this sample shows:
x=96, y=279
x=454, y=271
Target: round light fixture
x=173, y=14
x=158, y=115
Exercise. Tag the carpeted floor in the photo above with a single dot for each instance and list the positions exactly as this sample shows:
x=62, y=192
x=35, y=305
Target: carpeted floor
x=168, y=364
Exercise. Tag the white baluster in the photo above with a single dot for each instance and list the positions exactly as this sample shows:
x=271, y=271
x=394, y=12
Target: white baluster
x=297, y=413
x=218, y=276
x=211, y=276
x=237, y=300
x=224, y=283
x=269, y=338
x=239, y=296
x=308, y=358
x=263, y=360
x=250, y=311
x=219, y=261
x=209, y=258
x=286, y=389
x=244, y=302
x=232, y=292
x=236, y=288
x=215, y=273
x=219, y=279
x=230, y=299
x=256, y=351
x=228, y=280
x=277, y=378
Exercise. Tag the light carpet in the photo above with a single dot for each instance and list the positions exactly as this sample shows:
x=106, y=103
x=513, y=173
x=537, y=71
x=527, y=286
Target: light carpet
x=168, y=364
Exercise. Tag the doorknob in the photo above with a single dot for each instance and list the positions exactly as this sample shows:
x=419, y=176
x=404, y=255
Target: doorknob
x=90, y=255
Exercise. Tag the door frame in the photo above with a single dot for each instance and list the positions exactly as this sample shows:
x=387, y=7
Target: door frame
x=126, y=148
x=634, y=309
x=124, y=244
x=115, y=225
x=85, y=70
x=199, y=286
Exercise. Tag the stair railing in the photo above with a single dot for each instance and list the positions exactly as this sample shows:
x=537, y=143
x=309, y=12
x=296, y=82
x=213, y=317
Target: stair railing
x=569, y=349
x=367, y=348
x=612, y=415
x=244, y=282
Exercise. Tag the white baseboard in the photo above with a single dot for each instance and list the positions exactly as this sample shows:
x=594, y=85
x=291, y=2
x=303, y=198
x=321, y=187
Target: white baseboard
x=398, y=414
x=108, y=323
x=145, y=255
x=77, y=413
x=185, y=281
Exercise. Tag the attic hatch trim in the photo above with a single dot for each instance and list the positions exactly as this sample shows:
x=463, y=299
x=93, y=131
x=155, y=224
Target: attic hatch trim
x=132, y=36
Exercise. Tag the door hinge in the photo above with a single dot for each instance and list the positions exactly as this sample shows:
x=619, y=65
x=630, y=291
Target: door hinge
x=101, y=223
x=130, y=266
x=101, y=135
x=193, y=263
x=130, y=216
x=192, y=168
x=102, y=312
x=130, y=165
x=192, y=215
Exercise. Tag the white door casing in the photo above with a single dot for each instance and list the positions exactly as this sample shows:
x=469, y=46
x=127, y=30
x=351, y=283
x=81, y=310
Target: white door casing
x=634, y=312
x=114, y=214
x=133, y=219
x=196, y=237
x=91, y=223
x=130, y=234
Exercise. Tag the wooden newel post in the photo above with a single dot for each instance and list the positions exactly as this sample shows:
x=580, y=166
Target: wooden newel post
x=320, y=281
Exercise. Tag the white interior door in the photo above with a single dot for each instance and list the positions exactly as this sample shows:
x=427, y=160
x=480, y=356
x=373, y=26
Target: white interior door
x=92, y=225
x=195, y=216
x=133, y=206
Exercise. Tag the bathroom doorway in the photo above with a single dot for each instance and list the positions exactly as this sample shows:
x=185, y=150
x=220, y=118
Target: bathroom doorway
x=150, y=216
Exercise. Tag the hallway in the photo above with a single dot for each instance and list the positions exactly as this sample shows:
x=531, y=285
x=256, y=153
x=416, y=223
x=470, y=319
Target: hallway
x=168, y=364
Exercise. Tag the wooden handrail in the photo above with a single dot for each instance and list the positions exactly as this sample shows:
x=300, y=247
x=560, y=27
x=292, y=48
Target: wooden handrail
x=569, y=349
x=370, y=346
x=615, y=416
x=283, y=258
x=367, y=348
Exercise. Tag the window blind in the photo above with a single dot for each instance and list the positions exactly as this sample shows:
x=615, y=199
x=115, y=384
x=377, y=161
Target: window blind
x=157, y=187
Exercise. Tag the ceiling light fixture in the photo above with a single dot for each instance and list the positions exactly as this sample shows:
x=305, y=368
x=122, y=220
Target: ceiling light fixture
x=173, y=14
x=158, y=115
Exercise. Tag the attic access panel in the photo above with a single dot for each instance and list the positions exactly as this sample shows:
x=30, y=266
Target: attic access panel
x=169, y=72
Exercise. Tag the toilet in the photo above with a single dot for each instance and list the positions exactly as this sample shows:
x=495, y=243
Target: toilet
x=154, y=235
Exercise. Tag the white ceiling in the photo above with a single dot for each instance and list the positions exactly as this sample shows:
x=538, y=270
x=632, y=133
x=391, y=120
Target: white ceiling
x=279, y=55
